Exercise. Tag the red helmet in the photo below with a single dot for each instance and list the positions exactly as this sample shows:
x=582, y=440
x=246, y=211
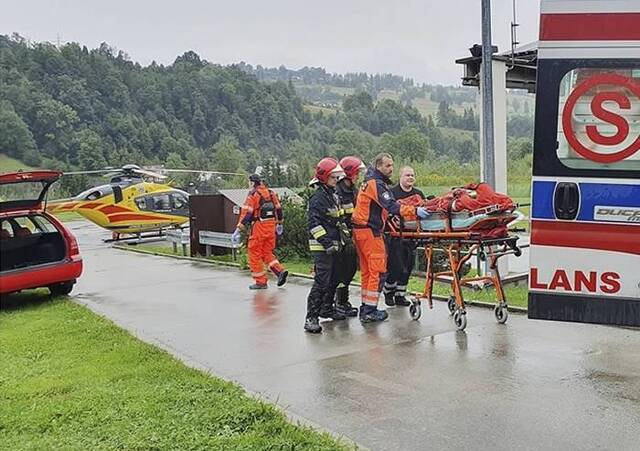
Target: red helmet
x=324, y=169
x=351, y=167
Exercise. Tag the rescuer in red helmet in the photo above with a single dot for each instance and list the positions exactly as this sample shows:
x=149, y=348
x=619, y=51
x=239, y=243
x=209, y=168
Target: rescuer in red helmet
x=326, y=229
x=347, y=259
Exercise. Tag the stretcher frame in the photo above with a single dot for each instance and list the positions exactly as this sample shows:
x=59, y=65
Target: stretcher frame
x=460, y=247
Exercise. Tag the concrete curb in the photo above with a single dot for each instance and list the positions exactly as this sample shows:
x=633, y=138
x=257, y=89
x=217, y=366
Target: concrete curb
x=512, y=308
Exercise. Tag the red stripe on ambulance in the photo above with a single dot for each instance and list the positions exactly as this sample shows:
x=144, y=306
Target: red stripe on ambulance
x=586, y=235
x=590, y=27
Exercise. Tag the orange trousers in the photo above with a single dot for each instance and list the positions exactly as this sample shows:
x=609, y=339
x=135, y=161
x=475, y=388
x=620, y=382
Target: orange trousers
x=262, y=242
x=372, y=255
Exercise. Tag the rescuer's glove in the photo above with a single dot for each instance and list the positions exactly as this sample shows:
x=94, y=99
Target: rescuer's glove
x=235, y=237
x=422, y=213
x=279, y=229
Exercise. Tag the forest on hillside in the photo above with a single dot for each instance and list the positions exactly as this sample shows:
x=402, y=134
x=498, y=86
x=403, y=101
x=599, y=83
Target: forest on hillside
x=71, y=107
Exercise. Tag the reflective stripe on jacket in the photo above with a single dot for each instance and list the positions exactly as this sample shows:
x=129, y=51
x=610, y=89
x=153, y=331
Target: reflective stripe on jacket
x=324, y=217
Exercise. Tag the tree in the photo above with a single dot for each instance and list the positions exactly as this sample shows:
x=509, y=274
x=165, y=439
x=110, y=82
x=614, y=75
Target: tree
x=53, y=125
x=444, y=114
x=90, y=150
x=352, y=142
x=361, y=101
x=15, y=138
x=410, y=144
x=226, y=155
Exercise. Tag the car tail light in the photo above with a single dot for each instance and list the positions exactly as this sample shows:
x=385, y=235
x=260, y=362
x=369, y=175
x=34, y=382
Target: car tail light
x=72, y=245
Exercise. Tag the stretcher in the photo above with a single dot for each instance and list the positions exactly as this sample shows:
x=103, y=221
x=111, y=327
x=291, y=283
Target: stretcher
x=480, y=233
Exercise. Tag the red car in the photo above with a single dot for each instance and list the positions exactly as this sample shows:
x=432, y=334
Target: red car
x=36, y=250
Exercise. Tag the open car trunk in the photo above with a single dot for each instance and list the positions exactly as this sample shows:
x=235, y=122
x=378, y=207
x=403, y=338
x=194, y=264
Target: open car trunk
x=27, y=241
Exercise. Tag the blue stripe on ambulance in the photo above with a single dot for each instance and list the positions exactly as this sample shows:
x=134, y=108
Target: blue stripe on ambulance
x=591, y=194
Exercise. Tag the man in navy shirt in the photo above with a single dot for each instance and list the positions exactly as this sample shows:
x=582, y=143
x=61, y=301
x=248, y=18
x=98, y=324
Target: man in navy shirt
x=401, y=253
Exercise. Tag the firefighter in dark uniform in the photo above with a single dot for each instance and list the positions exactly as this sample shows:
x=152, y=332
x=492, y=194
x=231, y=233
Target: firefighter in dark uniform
x=326, y=242
x=347, y=259
x=401, y=253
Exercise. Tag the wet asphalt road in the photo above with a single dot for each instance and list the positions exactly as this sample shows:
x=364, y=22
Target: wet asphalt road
x=400, y=385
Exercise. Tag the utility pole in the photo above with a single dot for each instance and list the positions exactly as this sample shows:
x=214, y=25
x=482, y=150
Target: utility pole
x=488, y=157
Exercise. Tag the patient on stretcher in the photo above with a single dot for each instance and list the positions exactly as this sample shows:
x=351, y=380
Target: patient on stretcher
x=474, y=208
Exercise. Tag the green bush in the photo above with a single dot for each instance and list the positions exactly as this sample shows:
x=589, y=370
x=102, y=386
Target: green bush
x=294, y=242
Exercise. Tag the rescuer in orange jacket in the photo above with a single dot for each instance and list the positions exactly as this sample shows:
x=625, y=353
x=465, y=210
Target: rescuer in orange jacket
x=263, y=212
x=374, y=204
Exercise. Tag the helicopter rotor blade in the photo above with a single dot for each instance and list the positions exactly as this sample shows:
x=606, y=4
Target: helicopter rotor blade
x=149, y=173
x=98, y=171
x=199, y=171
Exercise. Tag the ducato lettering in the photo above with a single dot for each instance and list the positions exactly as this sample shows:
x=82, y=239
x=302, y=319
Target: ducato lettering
x=578, y=282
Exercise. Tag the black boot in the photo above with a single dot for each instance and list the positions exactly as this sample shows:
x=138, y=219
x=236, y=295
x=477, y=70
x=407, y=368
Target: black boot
x=258, y=286
x=333, y=314
x=389, y=299
x=346, y=309
x=401, y=301
x=312, y=326
x=342, y=302
x=282, y=278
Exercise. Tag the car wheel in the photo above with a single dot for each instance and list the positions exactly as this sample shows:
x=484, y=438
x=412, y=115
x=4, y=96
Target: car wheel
x=61, y=289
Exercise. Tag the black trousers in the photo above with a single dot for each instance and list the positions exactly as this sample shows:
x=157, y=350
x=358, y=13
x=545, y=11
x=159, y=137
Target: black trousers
x=400, y=261
x=325, y=281
x=346, y=267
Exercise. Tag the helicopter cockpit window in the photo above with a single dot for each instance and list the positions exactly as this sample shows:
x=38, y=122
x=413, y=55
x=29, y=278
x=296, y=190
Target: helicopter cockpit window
x=141, y=202
x=95, y=193
x=161, y=202
x=180, y=201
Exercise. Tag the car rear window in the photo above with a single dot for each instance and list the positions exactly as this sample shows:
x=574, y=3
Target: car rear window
x=21, y=226
x=20, y=191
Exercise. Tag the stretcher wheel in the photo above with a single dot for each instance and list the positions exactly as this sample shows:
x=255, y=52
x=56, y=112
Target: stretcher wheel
x=501, y=313
x=517, y=252
x=415, y=310
x=460, y=318
x=451, y=304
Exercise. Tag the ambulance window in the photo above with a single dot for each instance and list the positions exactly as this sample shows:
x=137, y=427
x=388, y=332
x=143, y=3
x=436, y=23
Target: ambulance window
x=599, y=119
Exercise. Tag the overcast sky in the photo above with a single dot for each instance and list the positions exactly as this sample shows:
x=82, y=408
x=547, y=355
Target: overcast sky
x=413, y=38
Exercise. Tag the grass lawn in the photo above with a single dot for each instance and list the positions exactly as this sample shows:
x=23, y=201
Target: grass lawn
x=8, y=164
x=516, y=295
x=70, y=379
x=320, y=109
x=68, y=216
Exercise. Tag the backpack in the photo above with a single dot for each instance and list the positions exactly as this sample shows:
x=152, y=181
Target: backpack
x=267, y=207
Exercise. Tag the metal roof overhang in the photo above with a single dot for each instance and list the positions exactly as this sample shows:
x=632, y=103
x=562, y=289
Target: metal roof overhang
x=521, y=67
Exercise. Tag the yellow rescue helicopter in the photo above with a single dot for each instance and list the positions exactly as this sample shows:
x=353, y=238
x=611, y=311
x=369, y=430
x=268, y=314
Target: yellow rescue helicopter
x=129, y=204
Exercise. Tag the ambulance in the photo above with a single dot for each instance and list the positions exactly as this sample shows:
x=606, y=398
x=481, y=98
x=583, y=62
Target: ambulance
x=585, y=212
